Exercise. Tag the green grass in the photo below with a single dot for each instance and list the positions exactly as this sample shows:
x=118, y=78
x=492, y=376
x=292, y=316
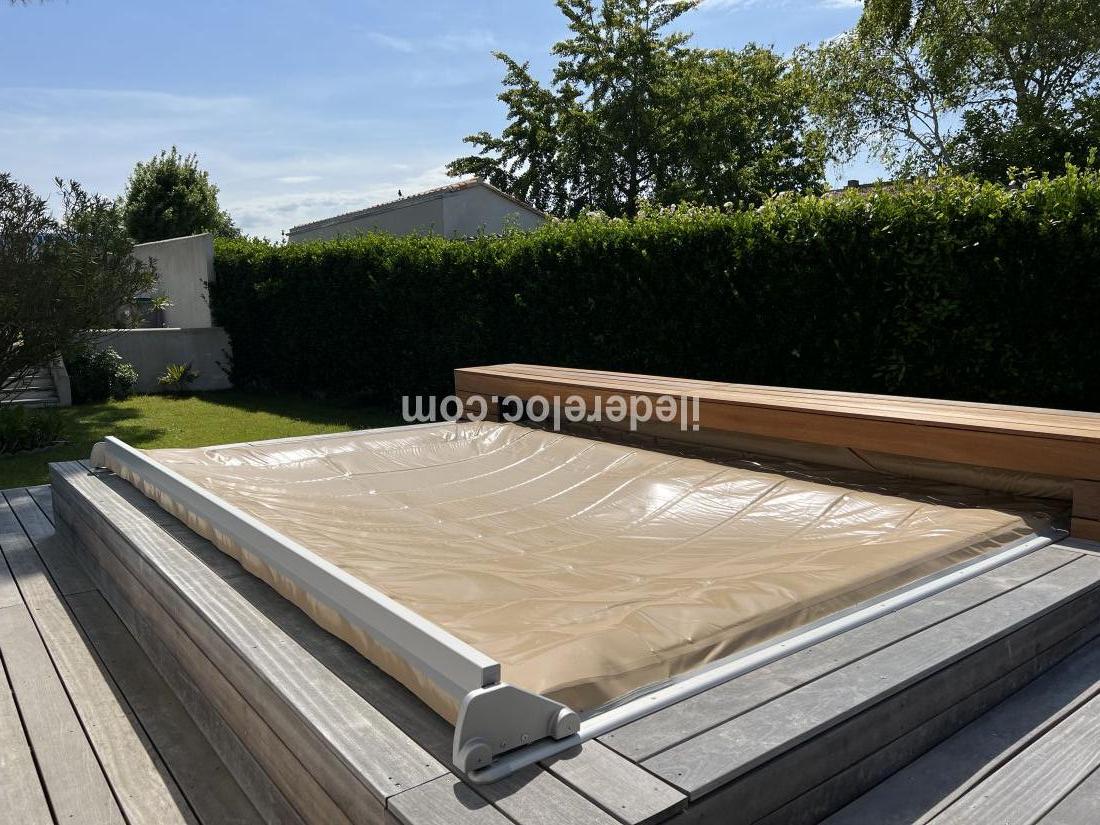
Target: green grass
x=189, y=421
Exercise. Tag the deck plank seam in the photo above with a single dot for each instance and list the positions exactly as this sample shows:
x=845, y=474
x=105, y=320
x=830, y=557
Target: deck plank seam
x=69, y=697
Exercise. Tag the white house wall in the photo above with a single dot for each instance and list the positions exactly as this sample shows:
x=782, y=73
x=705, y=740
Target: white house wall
x=477, y=209
x=421, y=218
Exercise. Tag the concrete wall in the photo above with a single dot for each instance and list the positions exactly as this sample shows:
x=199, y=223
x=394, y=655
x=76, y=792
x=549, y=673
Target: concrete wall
x=420, y=218
x=184, y=267
x=151, y=350
x=477, y=209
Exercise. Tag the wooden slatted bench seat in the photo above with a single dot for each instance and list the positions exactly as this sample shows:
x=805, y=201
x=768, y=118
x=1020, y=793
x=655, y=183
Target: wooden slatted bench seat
x=1054, y=443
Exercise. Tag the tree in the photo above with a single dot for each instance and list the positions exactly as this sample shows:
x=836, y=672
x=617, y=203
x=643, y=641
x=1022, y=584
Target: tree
x=632, y=113
x=169, y=196
x=738, y=130
x=975, y=85
x=62, y=278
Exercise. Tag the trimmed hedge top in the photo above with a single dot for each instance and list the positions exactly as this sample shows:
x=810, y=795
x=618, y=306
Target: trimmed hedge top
x=948, y=288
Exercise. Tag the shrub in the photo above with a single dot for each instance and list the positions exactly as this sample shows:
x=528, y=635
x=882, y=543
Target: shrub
x=178, y=377
x=98, y=374
x=948, y=288
x=22, y=429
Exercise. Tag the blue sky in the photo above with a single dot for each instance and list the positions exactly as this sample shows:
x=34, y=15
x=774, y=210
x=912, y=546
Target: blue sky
x=299, y=109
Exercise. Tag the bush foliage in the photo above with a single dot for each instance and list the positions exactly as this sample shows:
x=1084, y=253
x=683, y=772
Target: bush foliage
x=99, y=374
x=949, y=288
x=22, y=429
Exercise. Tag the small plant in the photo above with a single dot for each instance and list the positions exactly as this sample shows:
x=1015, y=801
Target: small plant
x=178, y=378
x=22, y=429
x=98, y=374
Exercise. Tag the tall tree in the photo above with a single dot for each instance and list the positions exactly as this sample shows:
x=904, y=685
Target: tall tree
x=632, y=113
x=63, y=278
x=169, y=196
x=976, y=85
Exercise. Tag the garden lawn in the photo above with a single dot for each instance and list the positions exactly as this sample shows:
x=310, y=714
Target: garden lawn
x=189, y=421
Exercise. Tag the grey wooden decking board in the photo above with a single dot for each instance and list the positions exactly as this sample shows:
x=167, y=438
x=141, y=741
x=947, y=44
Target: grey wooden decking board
x=933, y=780
x=630, y=793
x=196, y=768
x=67, y=575
x=177, y=653
x=43, y=498
x=723, y=753
x=830, y=763
x=144, y=788
x=1080, y=807
x=627, y=791
x=21, y=796
x=1035, y=780
x=202, y=707
x=911, y=800
x=373, y=748
x=221, y=563
x=443, y=801
x=71, y=775
x=533, y=796
x=9, y=593
x=660, y=731
x=388, y=696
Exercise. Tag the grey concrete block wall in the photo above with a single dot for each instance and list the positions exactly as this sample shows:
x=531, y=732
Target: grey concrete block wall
x=152, y=350
x=184, y=268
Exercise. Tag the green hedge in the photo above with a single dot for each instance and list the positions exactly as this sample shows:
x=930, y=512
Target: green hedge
x=951, y=289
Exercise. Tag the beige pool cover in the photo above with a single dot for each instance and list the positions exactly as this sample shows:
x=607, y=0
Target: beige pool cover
x=589, y=569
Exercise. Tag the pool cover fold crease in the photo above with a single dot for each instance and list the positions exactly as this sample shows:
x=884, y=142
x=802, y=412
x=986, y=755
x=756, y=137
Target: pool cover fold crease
x=586, y=569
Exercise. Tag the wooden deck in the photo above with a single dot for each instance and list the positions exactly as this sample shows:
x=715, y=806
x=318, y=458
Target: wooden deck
x=149, y=678
x=89, y=731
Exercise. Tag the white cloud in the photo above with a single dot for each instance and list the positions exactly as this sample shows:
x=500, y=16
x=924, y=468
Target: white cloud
x=388, y=41
x=841, y=4
x=476, y=40
x=298, y=178
x=726, y=5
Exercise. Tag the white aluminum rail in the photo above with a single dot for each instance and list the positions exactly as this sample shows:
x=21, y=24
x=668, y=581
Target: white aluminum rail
x=502, y=728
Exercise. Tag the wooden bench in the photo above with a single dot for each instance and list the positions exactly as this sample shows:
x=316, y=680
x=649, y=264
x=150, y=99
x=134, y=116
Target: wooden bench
x=1054, y=443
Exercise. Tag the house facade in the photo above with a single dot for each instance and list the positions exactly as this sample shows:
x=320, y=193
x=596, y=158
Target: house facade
x=459, y=210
